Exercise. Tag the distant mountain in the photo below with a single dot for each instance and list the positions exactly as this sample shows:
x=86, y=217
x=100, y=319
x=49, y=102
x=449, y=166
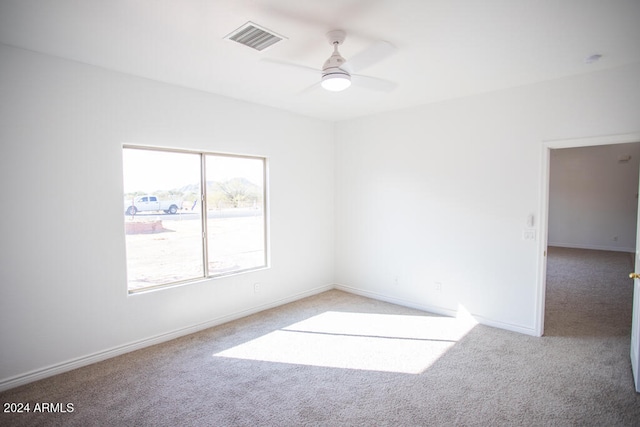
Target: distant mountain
x=212, y=185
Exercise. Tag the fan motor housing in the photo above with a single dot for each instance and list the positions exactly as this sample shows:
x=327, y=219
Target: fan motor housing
x=335, y=61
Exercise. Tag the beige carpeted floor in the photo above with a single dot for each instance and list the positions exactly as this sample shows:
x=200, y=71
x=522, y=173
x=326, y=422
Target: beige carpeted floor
x=338, y=359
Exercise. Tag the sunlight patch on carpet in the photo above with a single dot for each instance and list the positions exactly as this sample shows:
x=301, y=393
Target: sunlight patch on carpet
x=365, y=341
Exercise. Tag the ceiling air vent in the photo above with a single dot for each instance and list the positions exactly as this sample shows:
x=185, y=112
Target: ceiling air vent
x=255, y=36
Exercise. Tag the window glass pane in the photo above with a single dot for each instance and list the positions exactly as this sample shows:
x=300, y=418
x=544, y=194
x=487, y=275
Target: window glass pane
x=163, y=224
x=235, y=214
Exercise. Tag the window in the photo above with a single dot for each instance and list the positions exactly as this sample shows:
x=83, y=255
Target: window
x=191, y=215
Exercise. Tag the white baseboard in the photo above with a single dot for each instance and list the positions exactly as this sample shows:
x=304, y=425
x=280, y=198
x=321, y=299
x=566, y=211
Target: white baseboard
x=79, y=362
x=592, y=247
x=506, y=326
x=437, y=310
x=398, y=301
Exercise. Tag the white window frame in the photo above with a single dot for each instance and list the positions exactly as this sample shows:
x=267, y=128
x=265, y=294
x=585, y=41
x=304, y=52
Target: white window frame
x=204, y=220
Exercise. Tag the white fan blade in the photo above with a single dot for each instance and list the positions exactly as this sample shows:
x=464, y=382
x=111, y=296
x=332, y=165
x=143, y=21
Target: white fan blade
x=296, y=66
x=373, y=54
x=373, y=83
x=311, y=88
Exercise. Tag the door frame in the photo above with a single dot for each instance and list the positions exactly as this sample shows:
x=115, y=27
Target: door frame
x=547, y=146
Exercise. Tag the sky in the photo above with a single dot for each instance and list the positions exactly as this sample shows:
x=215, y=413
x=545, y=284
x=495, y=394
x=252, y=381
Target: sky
x=149, y=170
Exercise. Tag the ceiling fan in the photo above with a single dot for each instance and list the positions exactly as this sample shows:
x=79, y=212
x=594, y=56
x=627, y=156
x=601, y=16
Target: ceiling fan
x=337, y=74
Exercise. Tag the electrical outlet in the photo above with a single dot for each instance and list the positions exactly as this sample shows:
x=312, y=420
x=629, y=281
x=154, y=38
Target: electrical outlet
x=256, y=288
x=439, y=286
x=529, y=234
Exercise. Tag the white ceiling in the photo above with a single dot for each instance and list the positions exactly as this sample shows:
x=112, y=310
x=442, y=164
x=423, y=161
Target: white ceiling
x=446, y=48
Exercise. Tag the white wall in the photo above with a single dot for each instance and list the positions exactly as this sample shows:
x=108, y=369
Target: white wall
x=63, y=291
x=441, y=193
x=593, y=197
x=438, y=193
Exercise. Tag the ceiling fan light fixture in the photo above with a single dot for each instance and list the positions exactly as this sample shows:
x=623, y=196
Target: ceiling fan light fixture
x=336, y=82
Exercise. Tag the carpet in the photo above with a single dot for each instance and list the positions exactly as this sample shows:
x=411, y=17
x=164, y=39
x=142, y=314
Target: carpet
x=338, y=359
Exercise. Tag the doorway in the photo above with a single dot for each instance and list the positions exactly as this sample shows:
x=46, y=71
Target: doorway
x=634, y=339
x=547, y=148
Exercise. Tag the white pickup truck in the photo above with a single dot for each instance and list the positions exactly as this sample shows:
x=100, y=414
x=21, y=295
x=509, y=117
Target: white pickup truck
x=149, y=203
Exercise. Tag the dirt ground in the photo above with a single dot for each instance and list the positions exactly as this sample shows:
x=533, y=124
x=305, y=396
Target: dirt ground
x=175, y=252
